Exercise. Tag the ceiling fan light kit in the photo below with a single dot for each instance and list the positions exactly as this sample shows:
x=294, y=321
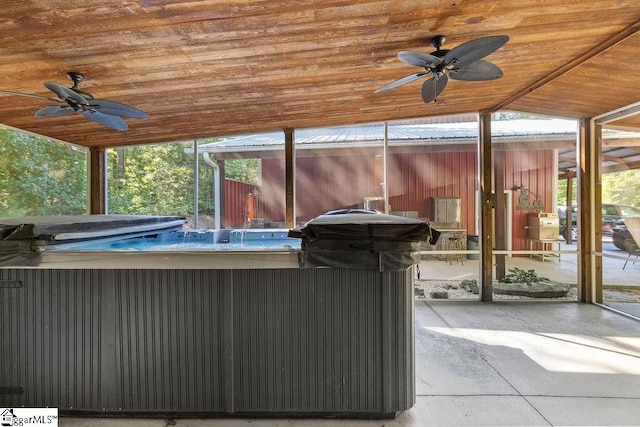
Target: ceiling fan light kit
x=463, y=62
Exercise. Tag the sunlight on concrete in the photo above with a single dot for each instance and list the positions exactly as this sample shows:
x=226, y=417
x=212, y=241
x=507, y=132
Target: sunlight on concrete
x=562, y=352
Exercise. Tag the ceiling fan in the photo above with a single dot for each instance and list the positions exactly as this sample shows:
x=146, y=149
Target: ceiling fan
x=107, y=113
x=463, y=62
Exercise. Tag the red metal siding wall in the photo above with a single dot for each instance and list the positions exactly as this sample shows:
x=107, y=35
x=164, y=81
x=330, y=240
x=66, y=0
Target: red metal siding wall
x=272, y=194
x=322, y=184
x=413, y=178
x=533, y=169
x=235, y=202
x=335, y=182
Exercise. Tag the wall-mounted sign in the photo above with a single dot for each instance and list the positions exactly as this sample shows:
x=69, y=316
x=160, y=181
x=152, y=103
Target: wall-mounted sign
x=527, y=202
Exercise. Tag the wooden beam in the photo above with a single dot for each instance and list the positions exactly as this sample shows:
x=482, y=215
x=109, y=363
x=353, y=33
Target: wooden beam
x=221, y=165
x=579, y=60
x=585, y=222
x=621, y=113
x=569, y=212
x=621, y=168
x=500, y=238
x=97, y=181
x=596, y=223
x=290, y=178
x=486, y=202
x=613, y=159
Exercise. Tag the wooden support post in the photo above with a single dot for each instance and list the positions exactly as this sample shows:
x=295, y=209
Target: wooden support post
x=97, y=181
x=595, y=288
x=569, y=212
x=290, y=180
x=486, y=202
x=221, y=165
x=500, y=241
x=589, y=215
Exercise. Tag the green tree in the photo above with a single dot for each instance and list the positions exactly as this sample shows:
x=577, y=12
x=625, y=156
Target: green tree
x=245, y=170
x=562, y=193
x=622, y=187
x=40, y=176
x=152, y=180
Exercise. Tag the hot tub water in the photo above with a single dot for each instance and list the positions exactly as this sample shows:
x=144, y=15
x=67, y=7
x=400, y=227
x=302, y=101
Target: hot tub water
x=219, y=240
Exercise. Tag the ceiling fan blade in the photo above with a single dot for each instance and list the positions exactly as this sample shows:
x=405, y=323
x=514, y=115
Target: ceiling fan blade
x=479, y=70
x=28, y=95
x=473, y=50
x=54, y=111
x=114, y=122
x=66, y=94
x=433, y=87
x=419, y=59
x=403, y=81
x=117, y=109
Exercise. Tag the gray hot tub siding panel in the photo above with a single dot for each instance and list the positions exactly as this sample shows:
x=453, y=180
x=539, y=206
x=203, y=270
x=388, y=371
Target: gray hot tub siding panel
x=324, y=341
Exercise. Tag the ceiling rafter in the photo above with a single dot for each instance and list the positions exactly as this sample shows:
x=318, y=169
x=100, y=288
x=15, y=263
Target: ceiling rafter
x=572, y=65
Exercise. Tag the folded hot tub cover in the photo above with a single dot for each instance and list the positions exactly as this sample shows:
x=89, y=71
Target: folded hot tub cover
x=23, y=239
x=362, y=239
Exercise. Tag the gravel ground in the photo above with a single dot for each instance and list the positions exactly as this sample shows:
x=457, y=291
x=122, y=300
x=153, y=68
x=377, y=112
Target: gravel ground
x=425, y=288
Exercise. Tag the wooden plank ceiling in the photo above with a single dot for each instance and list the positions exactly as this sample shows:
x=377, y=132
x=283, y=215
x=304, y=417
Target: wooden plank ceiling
x=219, y=68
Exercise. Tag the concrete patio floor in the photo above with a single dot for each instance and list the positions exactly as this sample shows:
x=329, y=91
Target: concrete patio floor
x=500, y=364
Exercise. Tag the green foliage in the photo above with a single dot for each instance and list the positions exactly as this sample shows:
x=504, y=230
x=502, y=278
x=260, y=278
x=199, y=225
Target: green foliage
x=617, y=187
x=152, y=180
x=562, y=192
x=514, y=115
x=158, y=180
x=244, y=170
x=622, y=187
x=40, y=177
x=43, y=177
x=517, y=275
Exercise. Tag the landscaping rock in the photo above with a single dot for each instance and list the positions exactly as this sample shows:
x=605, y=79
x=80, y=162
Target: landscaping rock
x=439, y=294
x=470, y=285
x=532, y=290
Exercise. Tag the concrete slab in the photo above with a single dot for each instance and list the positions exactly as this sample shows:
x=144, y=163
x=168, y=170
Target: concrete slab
x=555, y=349
x=441, y=357
x=476, y=411
x=577, y=411
x=632, y=309
x=505, y=363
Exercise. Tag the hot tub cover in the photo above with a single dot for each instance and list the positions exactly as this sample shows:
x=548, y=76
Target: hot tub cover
x=22, y=239
x=362, y=239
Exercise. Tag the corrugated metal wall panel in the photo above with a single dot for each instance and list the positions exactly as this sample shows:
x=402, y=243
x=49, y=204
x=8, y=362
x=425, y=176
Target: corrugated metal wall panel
x=322, y=184
x=51, y=344
x=210, y=341
x=534, y=170
x=339, y=346
x=235, y=202
x=326, y=183
x=335, y=328
x=170, y=340
x=413, y=178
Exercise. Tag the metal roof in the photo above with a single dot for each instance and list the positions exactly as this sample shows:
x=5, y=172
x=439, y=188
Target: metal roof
x=398, y=134
x=621, y=149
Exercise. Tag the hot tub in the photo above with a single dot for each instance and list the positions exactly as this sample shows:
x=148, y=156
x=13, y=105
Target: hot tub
x=204, y=330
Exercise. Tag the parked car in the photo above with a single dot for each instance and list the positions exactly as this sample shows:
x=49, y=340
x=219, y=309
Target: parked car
x=620, y=234
x=612, y=214
x=562, y=220
x=612, y=217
